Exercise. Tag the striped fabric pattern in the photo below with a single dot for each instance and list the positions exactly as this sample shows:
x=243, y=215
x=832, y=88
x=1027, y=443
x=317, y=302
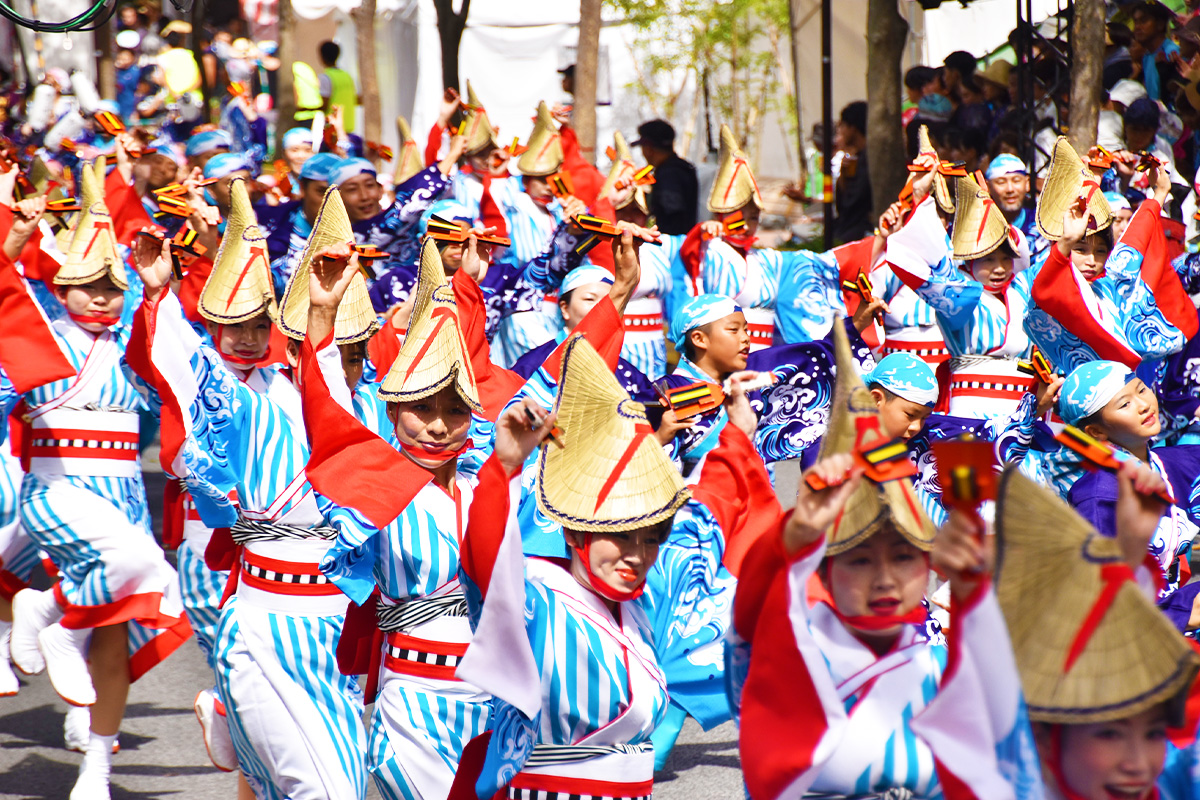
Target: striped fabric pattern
x=202, y=589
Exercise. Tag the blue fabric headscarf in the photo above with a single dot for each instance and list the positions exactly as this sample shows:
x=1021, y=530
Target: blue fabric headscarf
x=224, y=164
x=320, y=167
x=1005, y=164
x=1090, y=387
x=581, y=276
x=352, y=168
x=208, y=141
x=296, y=137
x=906, y=376
x=700, y=310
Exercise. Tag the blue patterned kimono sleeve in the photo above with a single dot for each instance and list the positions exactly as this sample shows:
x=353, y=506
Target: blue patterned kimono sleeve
x=810, y=293
x=8, y=401
x=953, y=296
x=546, y=271
x=1187, y=267
x=350, y=561
x=1150, y=333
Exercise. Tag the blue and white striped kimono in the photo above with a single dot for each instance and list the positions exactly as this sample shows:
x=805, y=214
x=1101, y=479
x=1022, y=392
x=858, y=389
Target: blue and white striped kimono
x=468, y=190
x=645, y=345
x=810, y=295
x=909, y=325
x=88, y=513
x=295, y=720
x=18, y=553
x=530, y=227
x=420, y=722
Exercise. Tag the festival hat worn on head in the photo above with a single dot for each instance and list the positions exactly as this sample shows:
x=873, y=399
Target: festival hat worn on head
x=1090, y=646
x=610, y=475
x=942, y=193
x=356, y=319
x=1068, y=177
x=734, y=185
x=854, y=426
x=623, y=169
x=434, y=354
x=410, y=161
x=239, y=286
x=478, y=132
x=979, y=225
x=543, y=154
x=93, y=252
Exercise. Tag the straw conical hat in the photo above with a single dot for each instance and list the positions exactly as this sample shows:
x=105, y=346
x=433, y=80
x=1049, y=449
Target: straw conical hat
x=623, y=169
x=356, y=318
x=979, y=224
x=410, y=162
x=941, y=187
x=854, y=425
x=544, y=153
x=433, y=354
x=734, y=185
x=611, y=474
x=92, y=252
x=478, y=133
x=1050, y=573
x=239, y=286
x=1067, y=178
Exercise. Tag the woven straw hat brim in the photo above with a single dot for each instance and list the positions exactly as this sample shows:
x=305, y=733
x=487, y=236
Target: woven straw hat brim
x=598, y=423
x=239, y=287
x=432, y=356
x=734, y=185
x=873, y=507
x=941, y=188
x=979, y=224
x=1048, y=578
x=622, y=166
x=356, y=319
x=544, y=153
x=479, y=134
x=1064, y=181
x=411, y=162
x=92, y=251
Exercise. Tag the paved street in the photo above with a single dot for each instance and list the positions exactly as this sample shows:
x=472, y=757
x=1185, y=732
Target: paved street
x=162, y=754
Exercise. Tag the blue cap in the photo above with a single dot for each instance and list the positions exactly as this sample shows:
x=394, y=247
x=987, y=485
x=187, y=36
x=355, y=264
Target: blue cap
x=320, y=167
x=581, y=276
x=352, y=168
x=224, y=164
x=1117, y=201
x=297, y=136
x=208, y=141
x=905, y=376
x=449, y=210
x=700, y=310
x=1005, y=164
x=1090, y=387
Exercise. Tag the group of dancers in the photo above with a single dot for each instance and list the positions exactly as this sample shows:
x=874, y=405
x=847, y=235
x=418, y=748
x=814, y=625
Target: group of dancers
x=915, y=512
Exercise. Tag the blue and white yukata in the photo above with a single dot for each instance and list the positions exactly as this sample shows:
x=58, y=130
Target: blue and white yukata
x=650, y=307
x=531, y=228
x=984, y=332
x=18, y=553
x=910, y=326
x=562, y=732
x=423, y=715
x=799, y=293
x=83, y=502
x=295, y=720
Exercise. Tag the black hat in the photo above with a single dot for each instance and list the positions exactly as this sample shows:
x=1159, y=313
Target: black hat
x=1154, y=8
x=568, y=71
x=656, y=132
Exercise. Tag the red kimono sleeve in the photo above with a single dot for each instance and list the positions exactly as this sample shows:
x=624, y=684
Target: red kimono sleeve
x=1145, y=234
x=433, y=144
x=496, y=385
x=486, y=524
x=29, y=352
x=585, y=178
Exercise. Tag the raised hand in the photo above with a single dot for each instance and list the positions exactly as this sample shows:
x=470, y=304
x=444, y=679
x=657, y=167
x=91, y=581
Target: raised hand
x=670, y=426
x=1047, y=394
x=1138, y=509
x=1075, y=222
x=152, y=260
x=816, y=511
x=866, y=313
x=923, y=184
x=962, y=553
x=737, y=403
x=330, y=274
x=522, y=427
x=26, y=216
x=474, y=264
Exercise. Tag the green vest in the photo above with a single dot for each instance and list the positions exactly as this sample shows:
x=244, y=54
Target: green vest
x=343, y=94
x=308, y=90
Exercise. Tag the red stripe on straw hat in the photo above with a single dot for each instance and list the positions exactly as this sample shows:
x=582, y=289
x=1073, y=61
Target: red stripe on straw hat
x=641, y=431
x=1114, y=576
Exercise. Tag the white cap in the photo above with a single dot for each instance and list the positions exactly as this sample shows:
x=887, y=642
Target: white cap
x=1126, y=91
x=1110, y=130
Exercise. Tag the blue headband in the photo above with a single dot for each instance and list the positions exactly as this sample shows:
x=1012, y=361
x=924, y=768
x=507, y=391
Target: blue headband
x=698, y=311
x=224, y=164
x=296, y=137
x=905, y=376
x=352, y=168
x=1005, y=164
x=320, y=167
x=206, y=142
x=581, y=276
x=1089, y=388
x=1117, y=201
x=449, y=210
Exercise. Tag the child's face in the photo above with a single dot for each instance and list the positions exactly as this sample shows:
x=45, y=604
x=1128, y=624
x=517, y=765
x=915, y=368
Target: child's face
x=994, y=270
x=900, y=418
x=1123, y=215
x=723, y=344
x=124, y=59
x=101, y=300
x=1131, y=418
x=1123, y=758
x=1089, y=254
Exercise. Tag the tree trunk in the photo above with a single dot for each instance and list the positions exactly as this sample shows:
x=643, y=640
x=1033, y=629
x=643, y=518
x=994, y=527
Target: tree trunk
x=285, y=92
x=106, y=73
x=795, y=18
x=1087, y=61
x=887, y=32
x=450, y=26
x=364, y=27
x=587, y=62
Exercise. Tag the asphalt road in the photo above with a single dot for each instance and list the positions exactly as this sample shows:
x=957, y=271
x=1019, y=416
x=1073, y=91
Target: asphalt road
x=162, y=754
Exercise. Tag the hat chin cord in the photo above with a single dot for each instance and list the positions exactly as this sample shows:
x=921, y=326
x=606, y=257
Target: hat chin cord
x=595, y=583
